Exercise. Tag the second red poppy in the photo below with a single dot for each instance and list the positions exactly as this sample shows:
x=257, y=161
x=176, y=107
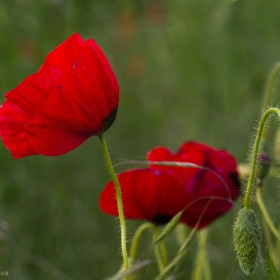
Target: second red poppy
x=159, y=192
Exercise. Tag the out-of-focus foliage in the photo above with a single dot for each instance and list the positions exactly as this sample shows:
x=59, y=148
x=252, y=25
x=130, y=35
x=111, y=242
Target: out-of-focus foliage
x=188, y=69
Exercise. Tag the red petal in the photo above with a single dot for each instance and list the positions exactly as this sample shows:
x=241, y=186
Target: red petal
x=67, y=53
x=208, y=184
x=73, y=96
x=33, y=91
x=186, y=175
x=92, y=63
x=12, y=120
x=86, y=96
x=146, y=195
x=52, y=140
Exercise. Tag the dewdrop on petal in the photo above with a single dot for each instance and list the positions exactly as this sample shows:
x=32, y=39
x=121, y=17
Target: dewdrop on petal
x=246, y=238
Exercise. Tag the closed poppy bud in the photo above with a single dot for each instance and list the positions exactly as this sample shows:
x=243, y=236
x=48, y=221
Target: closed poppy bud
x=204, y=192
x=73, y=96
x=247, y=237
x=264, y=161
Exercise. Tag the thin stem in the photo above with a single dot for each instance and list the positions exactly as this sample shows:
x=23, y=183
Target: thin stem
x=270, y=85
x=135, y=242
x=268, y=240
x=255, y=154
x=163, y=253
x=158, y=255
x=119, y=200
x=202, y=270
x=136, y=237
x=266, y=215
x=182, y=251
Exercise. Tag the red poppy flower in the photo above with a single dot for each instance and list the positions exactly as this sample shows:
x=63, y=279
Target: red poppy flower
x=159, y=192
x=73, y=96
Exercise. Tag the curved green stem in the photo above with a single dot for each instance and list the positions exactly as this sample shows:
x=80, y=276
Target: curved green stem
x=255, y=154
x=270, y=85
x=268, y=241
x=119, y=200
x=266, y=215
x=136, y=237
x=158, y=254
x=182, y=251
x=161, y=261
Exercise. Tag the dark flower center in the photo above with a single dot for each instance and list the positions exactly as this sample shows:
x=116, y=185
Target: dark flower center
x=234, y=178
x=108, y=121
x=161, y=219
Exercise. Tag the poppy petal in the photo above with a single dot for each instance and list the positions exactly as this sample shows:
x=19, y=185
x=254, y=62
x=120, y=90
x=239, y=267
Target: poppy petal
x=186, y=175
x=73, y=96
x=159, y=192
x=147, y=194
x=33, y=91
x=67, y=54
x=12, y=132
x=52, y=140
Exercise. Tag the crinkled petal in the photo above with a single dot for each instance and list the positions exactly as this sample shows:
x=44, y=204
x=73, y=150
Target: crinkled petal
x=147, y=194
x=33, y=91
x=187, y=175
x=12, y=121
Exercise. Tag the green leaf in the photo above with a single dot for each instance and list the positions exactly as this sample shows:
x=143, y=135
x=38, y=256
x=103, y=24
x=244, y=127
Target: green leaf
x=273, y=272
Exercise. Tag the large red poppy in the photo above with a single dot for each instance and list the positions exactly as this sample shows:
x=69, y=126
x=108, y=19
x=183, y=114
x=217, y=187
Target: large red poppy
x=73, y=96
x=159, y=192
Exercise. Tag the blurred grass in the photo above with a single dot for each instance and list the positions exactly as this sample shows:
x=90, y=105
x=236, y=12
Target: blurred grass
x=187, y=70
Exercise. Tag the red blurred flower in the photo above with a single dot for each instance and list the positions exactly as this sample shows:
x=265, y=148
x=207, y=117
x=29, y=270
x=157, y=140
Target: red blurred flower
x=73, y=96
x=159, y=192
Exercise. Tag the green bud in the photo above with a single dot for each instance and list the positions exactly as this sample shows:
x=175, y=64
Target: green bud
x=264, y=161
x=246, y=238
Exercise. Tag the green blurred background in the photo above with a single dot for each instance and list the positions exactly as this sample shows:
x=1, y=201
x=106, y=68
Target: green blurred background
x=187, y=69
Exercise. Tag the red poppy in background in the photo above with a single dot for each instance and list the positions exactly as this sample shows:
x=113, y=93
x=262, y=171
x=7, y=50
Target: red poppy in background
x=159, y=192
x=73, y=96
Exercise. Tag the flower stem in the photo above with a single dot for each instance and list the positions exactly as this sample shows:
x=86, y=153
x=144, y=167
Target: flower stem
x=270, y=85
x=266, y=215
x=181, y=253
x=254, y=155
x=202, y=269
x=119, y=200
x=135, y=241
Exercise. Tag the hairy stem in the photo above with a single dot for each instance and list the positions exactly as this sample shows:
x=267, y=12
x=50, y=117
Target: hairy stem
x=119, y=200
x=266, y=215
x=270, y=85
x=254, y=155
x=135, y=242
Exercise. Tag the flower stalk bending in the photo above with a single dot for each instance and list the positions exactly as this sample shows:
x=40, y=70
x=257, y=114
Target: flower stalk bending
x=119, y=200
x=254, y=155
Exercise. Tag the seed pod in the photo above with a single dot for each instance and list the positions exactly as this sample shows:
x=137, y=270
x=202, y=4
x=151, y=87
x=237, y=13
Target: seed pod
x=246, y=238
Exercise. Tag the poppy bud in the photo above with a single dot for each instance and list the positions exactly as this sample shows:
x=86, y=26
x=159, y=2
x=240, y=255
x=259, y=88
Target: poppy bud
x=246, y=238
x=264, y=162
